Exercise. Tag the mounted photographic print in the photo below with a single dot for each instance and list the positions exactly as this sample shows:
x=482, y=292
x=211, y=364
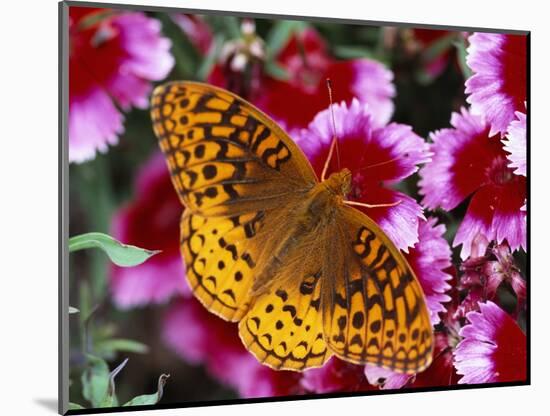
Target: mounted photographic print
x=263, y=207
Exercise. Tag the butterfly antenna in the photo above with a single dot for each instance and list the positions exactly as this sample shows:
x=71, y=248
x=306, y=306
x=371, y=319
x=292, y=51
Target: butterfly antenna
x=334, y=143
x=376, y=165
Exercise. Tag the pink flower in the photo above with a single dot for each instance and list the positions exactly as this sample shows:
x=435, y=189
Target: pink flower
x=468, y=161
x=429, y=258
x=516, y=144
x=335, y=376
x=305, y=58
x=493, y=348
x=113, y=57
x=200, y=337
x=497, y=88
x=150, y=220
x=378, y=158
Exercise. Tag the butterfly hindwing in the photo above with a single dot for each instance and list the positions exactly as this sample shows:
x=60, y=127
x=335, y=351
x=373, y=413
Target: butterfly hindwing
x=283, y=328
x=218, y=253
x=373, y=307
x=225, y=156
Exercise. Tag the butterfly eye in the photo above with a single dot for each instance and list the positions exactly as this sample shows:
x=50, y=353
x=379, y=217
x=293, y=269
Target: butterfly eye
x=346, y=182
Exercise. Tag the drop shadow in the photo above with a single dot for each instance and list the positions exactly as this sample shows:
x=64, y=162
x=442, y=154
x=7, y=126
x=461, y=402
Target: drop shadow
x=48, y=403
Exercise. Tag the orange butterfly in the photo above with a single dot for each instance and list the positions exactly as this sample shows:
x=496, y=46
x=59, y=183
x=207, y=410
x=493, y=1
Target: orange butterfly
x=269, y=245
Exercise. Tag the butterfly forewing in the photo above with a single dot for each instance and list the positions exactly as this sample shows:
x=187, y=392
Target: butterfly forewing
x=373, y=305
x=225, y=156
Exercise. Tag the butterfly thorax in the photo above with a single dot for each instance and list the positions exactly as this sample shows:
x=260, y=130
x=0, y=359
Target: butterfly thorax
x=324, y=199
x=339, y=183
x=315, y=212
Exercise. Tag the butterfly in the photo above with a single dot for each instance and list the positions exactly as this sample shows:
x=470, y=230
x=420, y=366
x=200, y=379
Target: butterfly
x=268, y=245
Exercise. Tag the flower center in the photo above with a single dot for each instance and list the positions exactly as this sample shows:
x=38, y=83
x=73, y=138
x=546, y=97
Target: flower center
x=498, y=172
x=356, y=188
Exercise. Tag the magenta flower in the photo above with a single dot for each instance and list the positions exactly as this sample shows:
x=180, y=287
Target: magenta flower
x=504, y=270
x=385, y=379
x=378, y=158
x=468, y=161
x=257, y=380
x=441, y=371
x=306, y=59
x=335, y=376
x=202, y=338
x=430, y=258
x=295, y=101
x=497, y=88
x=493, y=348
x=485, y=273
x=516, y=144
x=150, y=220
x=474, y=296
x=113, y=58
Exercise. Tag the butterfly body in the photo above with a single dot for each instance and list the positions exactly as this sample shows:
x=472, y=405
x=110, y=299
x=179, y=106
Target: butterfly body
x=269, y=246
x=311, y=218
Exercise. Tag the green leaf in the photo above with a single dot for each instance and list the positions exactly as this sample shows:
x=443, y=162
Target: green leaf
x=75, y=406
x=84, y=300
x=95, y=380
x=439, y=47
x=279, y=34
x=86, y=310
x=233, y=26
x=460, y=46
x=98, y=384
x=110, y=398
x=154, y=398
x=276, y=71
x=94, y=18
x=73, y=310
x=183, y=50
x=121, y=254
x=352, y=52
x=210, y=59
x=109, y=347
x=97, y=200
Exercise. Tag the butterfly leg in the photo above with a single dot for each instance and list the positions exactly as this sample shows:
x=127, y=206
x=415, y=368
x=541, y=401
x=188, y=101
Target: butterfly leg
x=361, y=204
